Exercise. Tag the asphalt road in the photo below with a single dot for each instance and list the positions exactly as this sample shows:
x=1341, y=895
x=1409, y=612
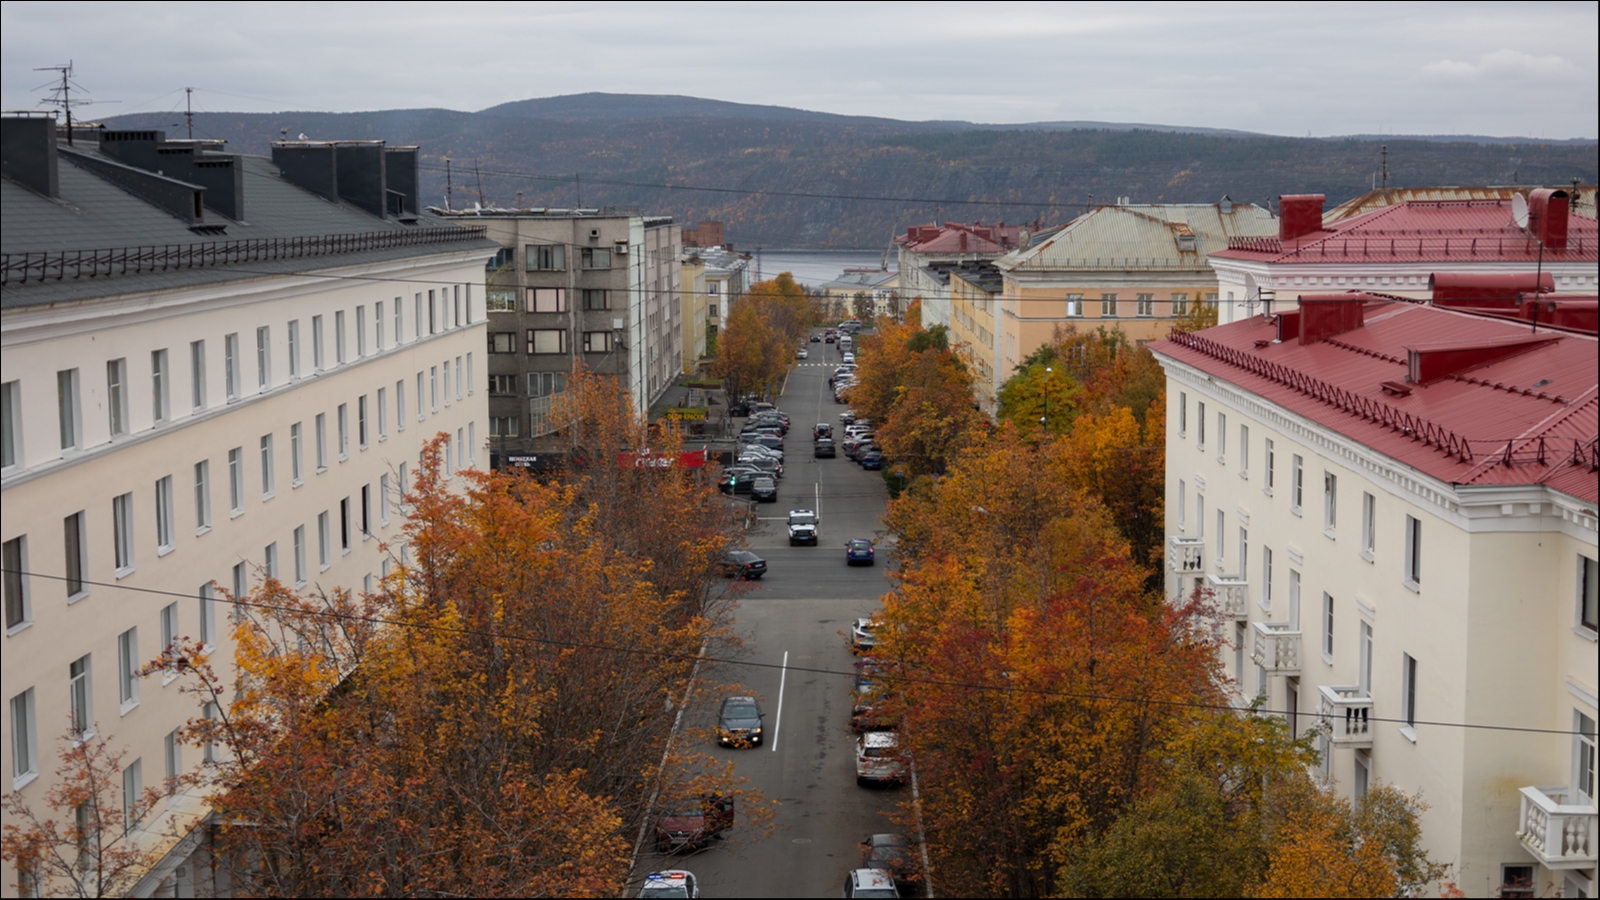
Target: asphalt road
x=800, y=615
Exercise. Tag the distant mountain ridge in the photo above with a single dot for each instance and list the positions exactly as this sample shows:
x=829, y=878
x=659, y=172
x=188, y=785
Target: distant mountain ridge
x=748, y=165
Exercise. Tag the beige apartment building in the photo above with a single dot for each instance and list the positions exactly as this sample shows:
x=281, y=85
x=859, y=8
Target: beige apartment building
x=974, y=298
x=925, y=253
x=1395, y=505
x=1136, y=267
x=241, y=390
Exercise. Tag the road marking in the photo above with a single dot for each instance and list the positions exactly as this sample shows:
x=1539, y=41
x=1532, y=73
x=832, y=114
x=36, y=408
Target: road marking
x=818, y=501
x=778, y=722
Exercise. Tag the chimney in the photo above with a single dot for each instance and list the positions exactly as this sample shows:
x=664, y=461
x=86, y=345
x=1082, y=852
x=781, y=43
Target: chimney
x=1324, y=316
x=352, y=171
x=28, y=153
x=220, y=175
x=1299, y=215
x=400, y=166
x=1547, y=218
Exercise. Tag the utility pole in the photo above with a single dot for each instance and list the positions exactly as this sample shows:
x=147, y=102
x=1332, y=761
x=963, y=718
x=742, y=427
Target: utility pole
x=448, y=185
x=1385, y=148
x=479, y=177
x=188, y=110
x=62, y=95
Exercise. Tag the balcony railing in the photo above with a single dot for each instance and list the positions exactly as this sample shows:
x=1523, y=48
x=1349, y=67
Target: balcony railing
x=1186, y=554
x=1344, y=714
x=1232, y=593
x=1558, y=827
x=1276, y=648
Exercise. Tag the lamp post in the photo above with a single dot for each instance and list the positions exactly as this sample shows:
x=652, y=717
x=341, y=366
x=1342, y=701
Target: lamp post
x=1044, y=420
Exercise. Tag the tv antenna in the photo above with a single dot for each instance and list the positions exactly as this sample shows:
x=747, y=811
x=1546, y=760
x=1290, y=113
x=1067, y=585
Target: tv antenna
x=61, y=94
x=188, y=110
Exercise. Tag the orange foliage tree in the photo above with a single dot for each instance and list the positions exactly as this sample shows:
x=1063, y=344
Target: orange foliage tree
x=764, y=325
x=918, y=391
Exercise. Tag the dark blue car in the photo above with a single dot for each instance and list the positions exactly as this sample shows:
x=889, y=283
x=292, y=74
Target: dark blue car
x=858, y=550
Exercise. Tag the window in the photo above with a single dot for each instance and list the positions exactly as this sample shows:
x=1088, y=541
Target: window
x=1364, y=671
x=208, y=752
x=1200, y=418
x=19, y=609
x=236, y=481
x=1297, y=489
x=322, y=442
x=377, y=324
x=207, y=607
x=1516, y=881
x=471, y=448
x=1363, y=775
x=459, y=379
x=122, y=528
x=324, y=542
x=1583, y=754
x=1183, y=503
x=344, y=525
x=366, y=511
x=69, y=410
x=455, y=315
x=172, y=754
x=1222, y=534
x=1222, y=436
x=297, y=466
x=503, y=426
x=544, y=384
x=169, y=625
x=202, y=496
x=596, y=258
x=1327, y=620
x=160, y=386
x=596, y=299
x=338, y=336
x=1244, y=451
x=24, y=743
x=400, y=404
x=401, y=489
x=241, y=580
x=128, y=668
x=1369, y=525
x=117, y=396
x=1330, y=503
x=504, y=342
x=1146, y=304
x=417, y=316
x=383, y=498
x=166, y=526
x=548, y=340
x=433, y=312
x=1244, y=553
x=422, y=409
x=1074, y=306
x=270, y=559
x=1108, y=306
x=472, y=377
x=447, y=382
x=132, y=787
x=197, y=375
x=502, y=300
x=1240, y=637
x=383, y=414
x=1587, y=589
x=1266, y=578
x=1408, y=691
x=1271, y=457
x=80, y=683
x=263, y=359
x=399, y=323
x=300, y=555
x=343, y=414
x=232, y=376
x=361, y=421
x=319, y=353
x=547, y=300
x=596, y=341
x=269, y=480
x=361, y=332
x=1183, y=413
x=433, y=389
x=1413, y=553
x=76, y=554
x=1180, y=304
x=1199, y=515
x=502, y=384
x=294, y=349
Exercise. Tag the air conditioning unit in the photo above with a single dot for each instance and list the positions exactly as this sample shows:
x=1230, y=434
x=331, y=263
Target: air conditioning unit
x=621, y=248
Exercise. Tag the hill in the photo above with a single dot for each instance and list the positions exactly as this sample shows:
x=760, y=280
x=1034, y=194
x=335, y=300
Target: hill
x=793, y=178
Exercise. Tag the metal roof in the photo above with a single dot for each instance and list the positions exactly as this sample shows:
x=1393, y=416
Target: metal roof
x=1144, y=235
x=1583, y=203
x=1525, y=419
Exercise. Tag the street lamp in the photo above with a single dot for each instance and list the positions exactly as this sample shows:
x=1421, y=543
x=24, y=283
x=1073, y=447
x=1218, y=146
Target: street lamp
x=1044, y=423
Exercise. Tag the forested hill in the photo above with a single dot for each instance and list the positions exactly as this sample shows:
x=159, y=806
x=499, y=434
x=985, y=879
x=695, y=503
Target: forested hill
x=797, y=179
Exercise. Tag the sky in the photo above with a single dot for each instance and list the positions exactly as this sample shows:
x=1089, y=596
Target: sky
x=1505, y=69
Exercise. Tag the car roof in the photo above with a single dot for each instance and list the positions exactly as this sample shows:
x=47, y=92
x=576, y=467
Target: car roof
x=879, y=879
x=670, y=875
x=802, y=512
x=888, y=840
x=861, y=541
x=738, y=698
x=880, y=739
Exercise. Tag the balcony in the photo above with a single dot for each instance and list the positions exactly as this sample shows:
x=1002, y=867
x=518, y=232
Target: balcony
x=1344, y=714
x=1232, y=593
x=1558, y=827
x=1186, y=555
x=1276, y=648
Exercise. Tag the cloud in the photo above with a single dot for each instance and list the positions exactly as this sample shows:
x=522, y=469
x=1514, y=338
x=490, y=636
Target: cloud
x=1501, y=63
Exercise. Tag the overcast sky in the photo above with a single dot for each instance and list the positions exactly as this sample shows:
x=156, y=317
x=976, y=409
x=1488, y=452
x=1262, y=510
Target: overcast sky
x=1523, y=69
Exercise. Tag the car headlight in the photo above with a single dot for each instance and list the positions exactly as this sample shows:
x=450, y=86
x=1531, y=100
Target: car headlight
x=756, y=730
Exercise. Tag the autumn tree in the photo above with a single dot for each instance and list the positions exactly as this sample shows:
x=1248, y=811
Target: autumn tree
x=918, y=390
x=756, y=348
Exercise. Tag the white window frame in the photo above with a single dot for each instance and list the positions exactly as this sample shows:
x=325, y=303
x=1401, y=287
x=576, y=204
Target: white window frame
x=1269, y=472
x=1266, y=579
x=361, y=331
x=197, y=375
x=338, y=337
x=172, y=756
x=230, y=367
x=24, y=739
x=297, y=462
x=422, y=408
x=263, y=358
x=1330, y=504
x=321, y=423
x=18, y=588
x=294, y=349
x=1183, y=504
x=269, y=557
x=471, y=378
x=1413, y=561
x=69, y=409
x=383, y=413
x=1074, y=308
x=361, y=422
x=377, y=325
x=324, y=542
x=1369, y=526
x=1583, y=754
x=1585, y=611
x=80, y=697
x=269, y=471
x=399, y=322
x=300, y=556
x=166, y=517
x=1200, y=419
x=202, y=496
x=117, y=413
x=383, y=499
x=433, y=389
x=1244, y=451
x=122, y=532
x=1222, y=438
x=160, y=386
x=400, y=405
x=319, y=352
x=236, y=482
x=169, y=634
x=1297, y=487
x=207, y=607
x=1328, y=613
x=1183, y=414
x=75, y=550
x=132, y=788
x=342, y=417
x=1408, y=695
x=127, y=669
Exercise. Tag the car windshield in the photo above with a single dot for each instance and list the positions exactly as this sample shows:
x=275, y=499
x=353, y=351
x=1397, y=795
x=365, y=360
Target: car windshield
x=860, y=545
x=802, y=520
x=739, y=711
x=669, y=889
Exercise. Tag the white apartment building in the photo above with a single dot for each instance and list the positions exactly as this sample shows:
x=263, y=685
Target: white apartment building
x=241, y=390
x=1395, y=505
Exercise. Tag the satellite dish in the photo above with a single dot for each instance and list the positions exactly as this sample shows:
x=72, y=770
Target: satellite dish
x=1250, y=285
x=1519, y=210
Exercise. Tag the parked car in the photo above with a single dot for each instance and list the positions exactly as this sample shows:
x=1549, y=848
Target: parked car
x=742, y=564
x=673, y=883
x=875, y=883
x=766, y=465
x=824, y=448
x=736, y=482
x=872, y=459
x=764, y=489
x=766, y=440
x=739, y=722
x=863, y=635
x=753, y=449
x=848, y=417
x=894, y=854
x=802, y=353
x=803, y=527
x=692, y=823
x=858, y=550
x=867, y=710
x=878, y=758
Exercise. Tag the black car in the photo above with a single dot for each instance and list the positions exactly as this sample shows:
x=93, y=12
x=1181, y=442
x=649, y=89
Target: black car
x=764, y=488
x=816, y=339
x=739, y=722
x=742, y=564
x=824, y=448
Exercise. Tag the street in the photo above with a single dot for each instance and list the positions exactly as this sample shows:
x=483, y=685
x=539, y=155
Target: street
x=798, y=616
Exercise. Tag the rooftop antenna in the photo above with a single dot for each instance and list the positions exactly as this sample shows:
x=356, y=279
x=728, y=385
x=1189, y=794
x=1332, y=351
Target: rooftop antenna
x=1385, y=148
x=188, y=110
x=449, y=186
x=61, y=94
x=479, y=177
x=577, y=178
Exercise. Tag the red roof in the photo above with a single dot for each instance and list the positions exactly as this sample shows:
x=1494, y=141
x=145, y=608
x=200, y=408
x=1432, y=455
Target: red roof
x=1456, y=231
x=955, y=237
x=1522, y=414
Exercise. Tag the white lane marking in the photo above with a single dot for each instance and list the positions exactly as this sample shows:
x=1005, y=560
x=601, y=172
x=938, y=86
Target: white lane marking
x=819, y=502
x=778, y=722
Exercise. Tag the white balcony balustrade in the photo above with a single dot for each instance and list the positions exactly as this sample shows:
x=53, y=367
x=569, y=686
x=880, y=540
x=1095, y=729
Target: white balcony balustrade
x=1276, y=648
x=1558, y=827
x=1344, y=713
x=1232, y=593
x=1186, y=555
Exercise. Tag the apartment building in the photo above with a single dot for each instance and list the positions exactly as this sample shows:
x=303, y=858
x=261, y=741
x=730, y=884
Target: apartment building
x=925, y=252
x=216, y=368
x=1396, y=244
x=1136, y=267
x=974, y=300
x=569, y=285
x=1395, y=505
x=864, y=293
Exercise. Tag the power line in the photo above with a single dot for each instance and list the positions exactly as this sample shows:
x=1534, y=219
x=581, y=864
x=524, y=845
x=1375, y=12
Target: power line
x=684, y=657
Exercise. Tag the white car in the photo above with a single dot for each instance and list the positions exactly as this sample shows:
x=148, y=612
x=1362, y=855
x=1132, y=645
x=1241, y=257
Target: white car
x=870, y=883
x=802, y=353
x=849, y=359
x=803, y=527
x=672, y=883
x=878, y=758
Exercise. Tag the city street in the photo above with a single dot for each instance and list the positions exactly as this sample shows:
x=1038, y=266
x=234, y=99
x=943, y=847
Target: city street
x=799, y=615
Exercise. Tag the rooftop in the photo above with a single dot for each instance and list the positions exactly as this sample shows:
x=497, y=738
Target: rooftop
x=958, y=237
x=1467, y=399
x=861, y=280
x=1155, y=235
x=1583, y=204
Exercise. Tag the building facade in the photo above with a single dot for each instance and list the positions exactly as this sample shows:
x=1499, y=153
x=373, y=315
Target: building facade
x=864, y=294
x=1394, y=505
x=242, y=391
x=925, y=251
x=974, y=299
